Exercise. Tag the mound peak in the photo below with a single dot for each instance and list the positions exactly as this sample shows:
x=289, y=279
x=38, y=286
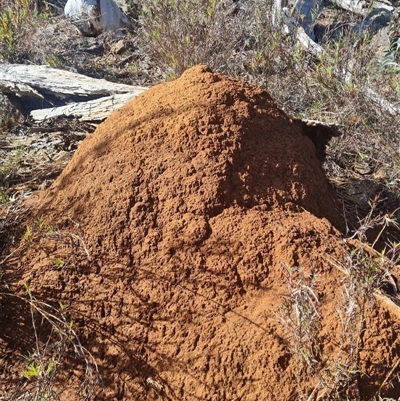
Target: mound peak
x=198, y=145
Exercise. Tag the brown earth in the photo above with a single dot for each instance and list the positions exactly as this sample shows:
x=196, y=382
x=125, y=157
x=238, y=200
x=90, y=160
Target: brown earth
x=180, y=220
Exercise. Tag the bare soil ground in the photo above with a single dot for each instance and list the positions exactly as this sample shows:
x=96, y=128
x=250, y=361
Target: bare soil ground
x=180, y=222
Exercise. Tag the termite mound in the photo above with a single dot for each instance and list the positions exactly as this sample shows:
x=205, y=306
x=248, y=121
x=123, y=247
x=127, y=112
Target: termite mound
x=194, y=202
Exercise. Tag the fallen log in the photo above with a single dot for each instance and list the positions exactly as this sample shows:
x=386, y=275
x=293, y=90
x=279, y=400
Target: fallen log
x=382, y=103
x=94, y=110
x=304, y=13
x=362, y=7
x=71, y=94
x=38, y=80
x=300, y=26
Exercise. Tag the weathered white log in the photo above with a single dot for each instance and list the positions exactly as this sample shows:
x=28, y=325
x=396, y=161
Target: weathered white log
x=305, y=12
x=277, y=8
x=95, y=16
x=363, y=7
x=316, y=49
x=39, y=80
x=308, y=43
x=382, y=103
x=18, y=89
x=93, y=110
x=291, y=24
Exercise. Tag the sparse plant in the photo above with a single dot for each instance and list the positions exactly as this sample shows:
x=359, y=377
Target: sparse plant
x=51, y=231
x=11, y=19
x=46, y=11
x=28, y=236
x=364, y=272
x=40, y=221
x=15, y=17
x=45, y=365
x=374, y=220
x=3, y=197
x=32, y=369
x=391, y=59
x=179, y=34
x=299, y=316
x=10, y=165
x=361, y=277
x=41, y=232
x=53, y=61
x=58, y=263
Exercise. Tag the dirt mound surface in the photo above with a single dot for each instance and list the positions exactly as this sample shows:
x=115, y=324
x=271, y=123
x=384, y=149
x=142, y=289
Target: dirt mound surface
x=186, y=213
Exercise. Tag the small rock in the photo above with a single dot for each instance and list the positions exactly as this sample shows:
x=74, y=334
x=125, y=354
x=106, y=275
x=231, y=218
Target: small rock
x=118, y=47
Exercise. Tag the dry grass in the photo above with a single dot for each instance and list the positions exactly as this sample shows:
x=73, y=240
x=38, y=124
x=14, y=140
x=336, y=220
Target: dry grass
x=365, y=273
x=238, y=38
x=179, y=34
x=46, y=366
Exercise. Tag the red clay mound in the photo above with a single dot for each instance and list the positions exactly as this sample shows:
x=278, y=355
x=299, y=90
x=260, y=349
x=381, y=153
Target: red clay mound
x=194, y=202
x=187, y=151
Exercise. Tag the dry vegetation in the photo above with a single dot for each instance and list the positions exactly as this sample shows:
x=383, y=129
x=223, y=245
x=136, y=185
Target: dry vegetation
x=237, y=38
